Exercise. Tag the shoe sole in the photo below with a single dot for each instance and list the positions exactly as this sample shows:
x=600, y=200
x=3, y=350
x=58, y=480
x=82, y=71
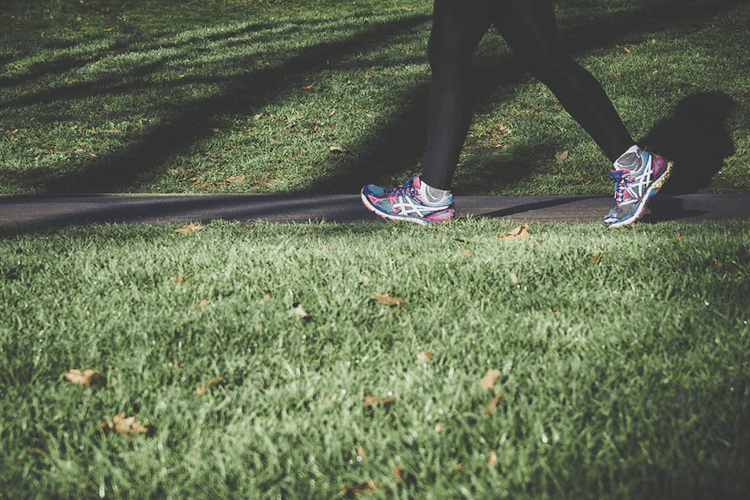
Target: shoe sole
x=655, y=187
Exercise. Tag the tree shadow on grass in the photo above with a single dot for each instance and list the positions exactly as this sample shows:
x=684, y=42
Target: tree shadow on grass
x=385, y=150
x=185, y=126
x=496, y=76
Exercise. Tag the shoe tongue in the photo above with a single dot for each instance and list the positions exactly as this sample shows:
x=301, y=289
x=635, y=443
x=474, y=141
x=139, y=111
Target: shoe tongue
x=630, y=161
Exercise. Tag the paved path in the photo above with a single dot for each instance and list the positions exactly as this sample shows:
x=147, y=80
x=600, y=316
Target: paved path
x=54, y=210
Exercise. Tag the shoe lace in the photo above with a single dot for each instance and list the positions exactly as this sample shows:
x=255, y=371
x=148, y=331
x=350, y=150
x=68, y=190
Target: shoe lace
x=407, y=188
x=621, y=184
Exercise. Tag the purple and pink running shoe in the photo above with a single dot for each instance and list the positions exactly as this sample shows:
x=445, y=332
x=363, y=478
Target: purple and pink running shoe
x=639, y=175
x=407, y=202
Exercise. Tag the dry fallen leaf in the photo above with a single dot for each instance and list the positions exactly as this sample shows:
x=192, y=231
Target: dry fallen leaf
x=385, y=298
x=425, y=356
x=397, y=473
x=361, y=452
x=439, y=427
x=307, y=87
x=561, y=155
x=300, y=312
x=86, y=378
x=371, y=401
x=492, y=405
x=124, y=425
x=489, y=379
x=492, y=460
x=368, y=487
x=336, y=149
x=596, y=259
x=235, y=178
x=201, y=390
x=190, y=228
x=627, y=51
x=519, y=233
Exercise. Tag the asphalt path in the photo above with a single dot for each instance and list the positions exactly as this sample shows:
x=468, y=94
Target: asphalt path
x=29, y=211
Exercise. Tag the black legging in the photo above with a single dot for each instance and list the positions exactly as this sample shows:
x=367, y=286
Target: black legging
x=529, y=28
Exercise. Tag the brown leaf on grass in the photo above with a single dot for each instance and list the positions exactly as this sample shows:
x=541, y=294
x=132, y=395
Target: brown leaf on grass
x=514, y=280
x=179, y=280
x=627, y=51
x=368, y=487
x=519, y=233
x=336, y=149
x=425, y=356
x=492, y=405
x=371, y=401
x=300, y=312
x=201, y=390
x=190, y=228
x=86, y=378
x=561, y=155
x=123, y=425
x=439, y=427
x=235, y=178
x=677, y=238
x=397, y=473
x=492, y=460
x=386, y=299
x=489, y=379
x=308, y=87
x=596, y=259
x=361, y=452
x=202, y=303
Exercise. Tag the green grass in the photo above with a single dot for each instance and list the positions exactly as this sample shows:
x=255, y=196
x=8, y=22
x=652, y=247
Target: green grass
x=232, y=96
x=622, y=355
x=622, y=358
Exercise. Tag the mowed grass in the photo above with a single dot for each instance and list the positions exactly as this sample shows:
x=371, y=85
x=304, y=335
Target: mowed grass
x=248, y=352
x=324, y=96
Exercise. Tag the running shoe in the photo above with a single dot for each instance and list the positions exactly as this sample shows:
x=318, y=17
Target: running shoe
x=407, y=202
x=638, y=176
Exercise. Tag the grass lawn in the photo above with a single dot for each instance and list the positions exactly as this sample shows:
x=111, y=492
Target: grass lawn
x=369, y=360
x=232, y=96
x=324, y=360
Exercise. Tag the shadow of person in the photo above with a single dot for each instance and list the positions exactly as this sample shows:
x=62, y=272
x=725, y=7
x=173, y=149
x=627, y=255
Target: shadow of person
x=696, y=138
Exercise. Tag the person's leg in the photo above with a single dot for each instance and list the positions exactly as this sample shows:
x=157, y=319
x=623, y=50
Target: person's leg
x=530, y=29
x=457, y=27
